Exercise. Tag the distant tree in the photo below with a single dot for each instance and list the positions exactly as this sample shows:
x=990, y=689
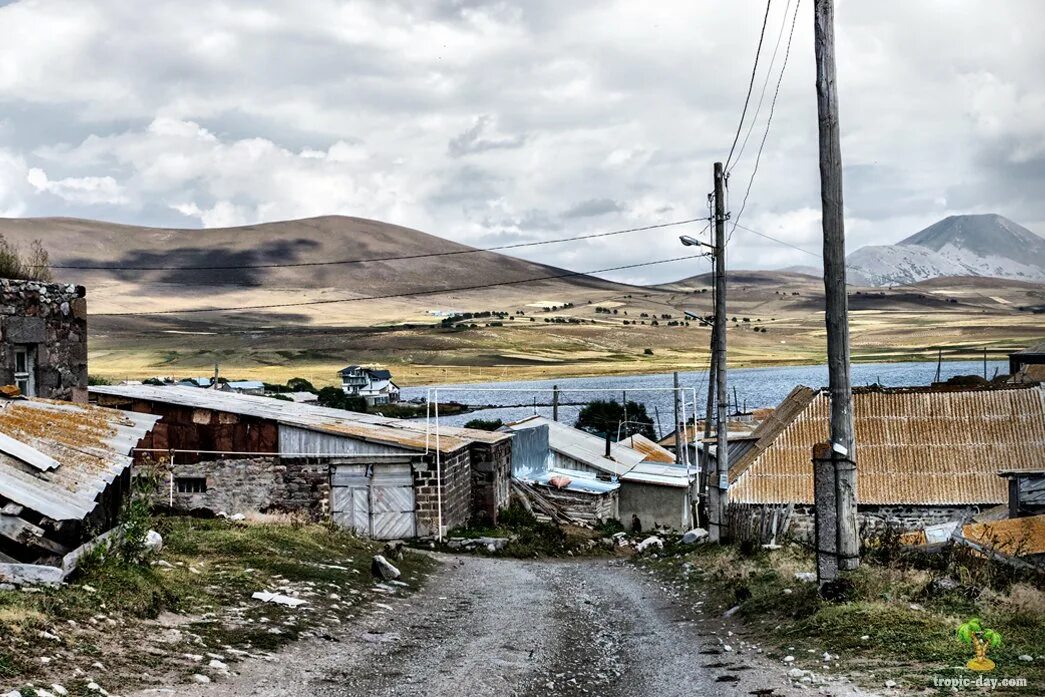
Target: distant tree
x=156, y=382
x=648, y=352
x=93, y=380
x=301, y=385
x=281, y=397
x=485, y=424
x=599, y=417
x=335, y=398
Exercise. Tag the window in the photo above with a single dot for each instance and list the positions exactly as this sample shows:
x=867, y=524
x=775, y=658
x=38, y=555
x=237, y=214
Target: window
x=191, y=485
x=25, y=370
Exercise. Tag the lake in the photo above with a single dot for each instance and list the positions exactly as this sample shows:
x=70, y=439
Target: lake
x=756, y=387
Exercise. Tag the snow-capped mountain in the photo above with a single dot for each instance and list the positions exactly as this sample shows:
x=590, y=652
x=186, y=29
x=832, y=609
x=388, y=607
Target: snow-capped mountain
x=960, y=245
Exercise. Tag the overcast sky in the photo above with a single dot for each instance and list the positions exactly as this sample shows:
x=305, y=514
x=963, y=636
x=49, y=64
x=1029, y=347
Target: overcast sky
x=494, y=122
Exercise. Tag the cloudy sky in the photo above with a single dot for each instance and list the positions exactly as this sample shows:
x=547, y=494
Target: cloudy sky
x=496, y=122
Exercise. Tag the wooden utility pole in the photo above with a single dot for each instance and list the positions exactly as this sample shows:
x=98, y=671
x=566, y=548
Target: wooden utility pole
x=718, y=480
x=555, y=402
x=837, y=315
x=679, y=428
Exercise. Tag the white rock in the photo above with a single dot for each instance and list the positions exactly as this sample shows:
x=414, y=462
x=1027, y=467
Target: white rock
x=694, y=536
x=153, y=541
x=865, y=637
x=796, y=673
x=1027, y=658
x=12, y=693
x=890, y=683
x=806, y=576
x=218, y=665
x=651, y=541
x=200, y=678
x=59, y=690
x=383, y=569
x=789, y=659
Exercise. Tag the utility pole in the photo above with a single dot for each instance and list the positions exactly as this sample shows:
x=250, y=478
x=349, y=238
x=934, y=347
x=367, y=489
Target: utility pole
x=718, y=486
x=842, y=446
x=555, y=402
x=679, y=428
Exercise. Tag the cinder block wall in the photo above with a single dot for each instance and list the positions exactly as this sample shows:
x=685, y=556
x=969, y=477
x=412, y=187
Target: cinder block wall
x=491, y=476
x=457, y=492
x=51, y=319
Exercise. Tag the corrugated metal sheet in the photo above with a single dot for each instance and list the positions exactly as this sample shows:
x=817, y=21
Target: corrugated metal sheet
x=914, y=446
x=1013, y=536
x=583, y=447
x=92, y=446
x=660, y=474
x=581, y=482
x=651, y=451
x=379, y=429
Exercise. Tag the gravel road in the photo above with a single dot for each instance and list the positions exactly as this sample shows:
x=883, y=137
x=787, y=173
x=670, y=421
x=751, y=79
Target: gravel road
x=508, y=627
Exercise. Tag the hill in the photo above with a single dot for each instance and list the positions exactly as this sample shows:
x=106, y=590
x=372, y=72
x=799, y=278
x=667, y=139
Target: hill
x=960, y=245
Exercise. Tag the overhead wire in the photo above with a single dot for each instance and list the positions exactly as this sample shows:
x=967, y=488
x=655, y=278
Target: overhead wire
x=751, y=84
x=769, y=123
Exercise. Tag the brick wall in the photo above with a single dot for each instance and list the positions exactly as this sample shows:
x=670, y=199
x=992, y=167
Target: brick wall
x=247, y=485
x=50, y=320
x=491, y=476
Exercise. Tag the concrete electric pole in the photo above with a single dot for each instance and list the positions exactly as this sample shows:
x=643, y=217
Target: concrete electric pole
x=842, y=445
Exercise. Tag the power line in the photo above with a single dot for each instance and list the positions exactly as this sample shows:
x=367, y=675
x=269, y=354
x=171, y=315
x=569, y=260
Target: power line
x=765, y=83
x=435, y=291
x=750, y=86
x=769, y=122
x=516, y=245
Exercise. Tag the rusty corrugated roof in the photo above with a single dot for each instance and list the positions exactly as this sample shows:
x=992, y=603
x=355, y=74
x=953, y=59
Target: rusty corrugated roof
x=652, y=451
x=91, y=445
x=913, y=446
x=396, y=432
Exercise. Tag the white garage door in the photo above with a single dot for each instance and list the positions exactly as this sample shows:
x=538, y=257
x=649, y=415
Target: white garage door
x=379, y=504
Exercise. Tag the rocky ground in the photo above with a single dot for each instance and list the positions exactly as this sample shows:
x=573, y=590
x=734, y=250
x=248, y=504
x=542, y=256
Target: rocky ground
x=484, y=626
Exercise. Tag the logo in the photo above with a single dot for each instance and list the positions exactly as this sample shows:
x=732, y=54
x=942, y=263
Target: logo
x=982, y=640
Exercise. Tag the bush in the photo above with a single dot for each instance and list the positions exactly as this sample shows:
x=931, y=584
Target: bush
x=484, y=424
x=34, y=266
x=335, y=398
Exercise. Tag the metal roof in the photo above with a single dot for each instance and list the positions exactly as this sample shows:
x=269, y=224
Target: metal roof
x=371, y=427
x=651, y=451
x=581, y=482
x=1032, y=349
x=583, y=446
x=661, y=474
x=914, y=446
x=91, y=446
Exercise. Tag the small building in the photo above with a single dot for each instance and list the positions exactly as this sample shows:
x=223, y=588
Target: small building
x=1026, y=492
x=659, y=493
x=64, y=472
x=925, y=455
x=43, y=327
x=254, y=387
x=373, y=385
x=203, y=383
x=383, y=477
x=1028, y=365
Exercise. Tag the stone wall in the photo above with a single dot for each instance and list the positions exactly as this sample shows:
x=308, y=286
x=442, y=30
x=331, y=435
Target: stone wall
x=456, y=494
x=50, y=320
x=491, y=477
x=876, y=518
x=248, y=485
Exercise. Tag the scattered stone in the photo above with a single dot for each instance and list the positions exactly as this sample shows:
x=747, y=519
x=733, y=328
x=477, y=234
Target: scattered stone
x=694, y=536
x=238, y=517
x=383, y=569
x=1026, y=658
x=789, y=659
x=218, y=665
x=200, y=678
x=59, y=690
x=731, y=611
x=651, y=541
x=890, y=683
x=806, y=576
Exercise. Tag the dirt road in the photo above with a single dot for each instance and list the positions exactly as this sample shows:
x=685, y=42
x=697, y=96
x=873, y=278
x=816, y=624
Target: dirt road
x=507, y=627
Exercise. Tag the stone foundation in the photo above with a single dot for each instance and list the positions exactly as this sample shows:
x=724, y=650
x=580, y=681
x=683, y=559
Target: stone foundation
x=876, y=518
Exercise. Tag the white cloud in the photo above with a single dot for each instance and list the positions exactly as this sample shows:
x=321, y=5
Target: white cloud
x=482, y=120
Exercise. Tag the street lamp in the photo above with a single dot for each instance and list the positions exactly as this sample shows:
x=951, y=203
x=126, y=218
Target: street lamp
x=688, y=241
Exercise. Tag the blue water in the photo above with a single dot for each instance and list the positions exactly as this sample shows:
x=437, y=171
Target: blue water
x=756, y=387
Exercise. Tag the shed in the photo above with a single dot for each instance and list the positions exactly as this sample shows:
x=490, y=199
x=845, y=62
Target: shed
x=924, y=455
x=64, y=470
x=658, y=493
x=247, y=453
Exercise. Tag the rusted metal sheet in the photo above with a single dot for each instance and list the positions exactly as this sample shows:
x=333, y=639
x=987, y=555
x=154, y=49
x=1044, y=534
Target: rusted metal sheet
x=928, y=446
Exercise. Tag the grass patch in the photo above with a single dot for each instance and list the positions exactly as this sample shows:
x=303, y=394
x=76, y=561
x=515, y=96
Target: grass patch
x=898, y=618
x=142, y=619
